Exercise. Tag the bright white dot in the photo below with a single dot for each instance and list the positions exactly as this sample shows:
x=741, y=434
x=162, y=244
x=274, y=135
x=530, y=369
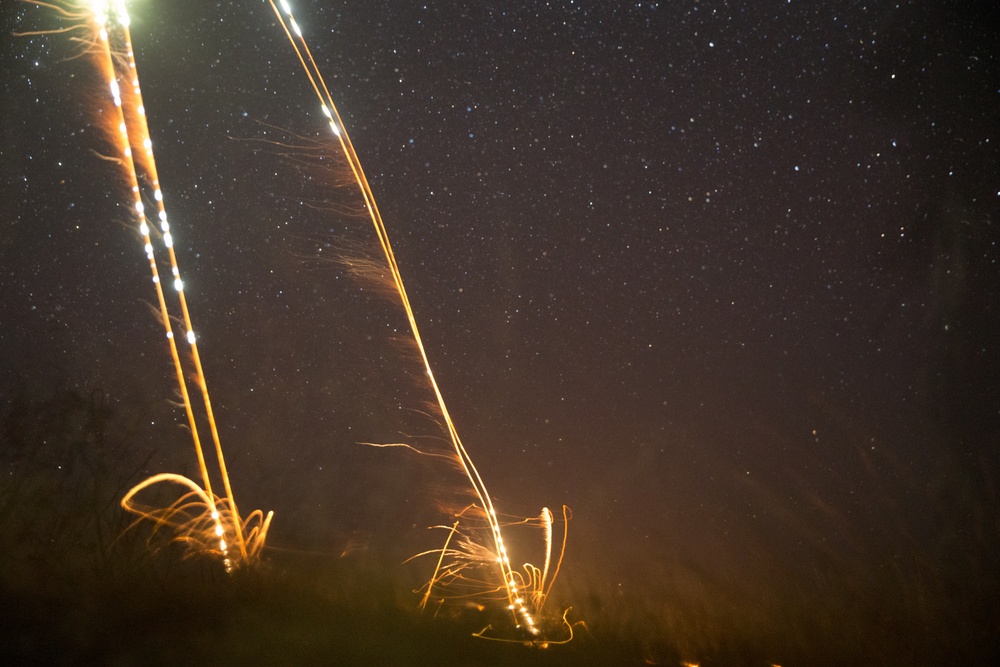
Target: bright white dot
x=178, y=285
x=168, y=240
x=190, y=337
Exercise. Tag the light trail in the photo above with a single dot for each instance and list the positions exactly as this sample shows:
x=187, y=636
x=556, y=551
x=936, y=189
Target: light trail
x=513, y=583
x=201, y=519
x=103, y=22
x=148, y=163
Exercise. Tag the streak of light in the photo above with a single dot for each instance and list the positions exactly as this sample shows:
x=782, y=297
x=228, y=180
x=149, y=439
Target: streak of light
x=103, y=22
x=511, y=579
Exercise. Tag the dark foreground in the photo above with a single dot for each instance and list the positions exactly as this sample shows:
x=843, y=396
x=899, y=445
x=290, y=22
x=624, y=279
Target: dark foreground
x=78, y=586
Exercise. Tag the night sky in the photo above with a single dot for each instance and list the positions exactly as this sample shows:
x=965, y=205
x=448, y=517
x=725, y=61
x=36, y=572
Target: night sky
x=721, y=277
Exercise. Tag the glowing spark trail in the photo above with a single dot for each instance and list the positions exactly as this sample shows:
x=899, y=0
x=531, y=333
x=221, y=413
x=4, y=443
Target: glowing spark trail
x=463, y=556
x=105, y=21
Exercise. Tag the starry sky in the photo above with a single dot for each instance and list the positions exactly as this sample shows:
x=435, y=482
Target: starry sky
x=721, y=277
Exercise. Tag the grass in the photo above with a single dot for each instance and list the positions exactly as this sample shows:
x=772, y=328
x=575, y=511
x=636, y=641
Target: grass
x=76, y=587
x=161, y=609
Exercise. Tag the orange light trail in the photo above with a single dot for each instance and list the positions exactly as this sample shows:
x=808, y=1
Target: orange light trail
x=512, y=580
x=105, y=21
x=148, y=164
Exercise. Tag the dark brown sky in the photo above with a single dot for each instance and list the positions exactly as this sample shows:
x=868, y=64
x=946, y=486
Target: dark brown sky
x=721, y=278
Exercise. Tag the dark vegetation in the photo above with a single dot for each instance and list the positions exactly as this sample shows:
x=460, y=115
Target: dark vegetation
x=78, y=585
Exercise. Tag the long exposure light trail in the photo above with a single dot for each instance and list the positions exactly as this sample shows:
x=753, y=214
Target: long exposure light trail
x=200, y=518
x=105, y=24
x=512, y=581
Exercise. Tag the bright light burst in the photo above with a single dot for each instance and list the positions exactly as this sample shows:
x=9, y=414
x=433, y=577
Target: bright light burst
x=465, y=558
x=205, y=522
